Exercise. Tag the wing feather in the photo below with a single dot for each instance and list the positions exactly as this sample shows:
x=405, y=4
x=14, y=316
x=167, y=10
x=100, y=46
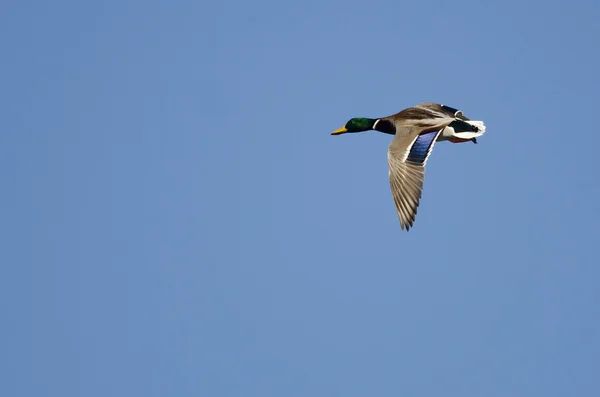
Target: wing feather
x=407, y=156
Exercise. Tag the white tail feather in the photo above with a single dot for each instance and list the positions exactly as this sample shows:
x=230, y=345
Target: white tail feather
x=478, y=124
x=473, y=134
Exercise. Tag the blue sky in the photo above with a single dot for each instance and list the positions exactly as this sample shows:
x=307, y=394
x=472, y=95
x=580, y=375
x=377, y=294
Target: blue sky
x=177, y=220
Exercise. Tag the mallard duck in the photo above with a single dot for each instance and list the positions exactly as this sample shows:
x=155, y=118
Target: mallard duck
x=416, y=129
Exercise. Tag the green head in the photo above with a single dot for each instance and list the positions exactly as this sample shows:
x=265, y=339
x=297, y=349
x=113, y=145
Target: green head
x=357, y=124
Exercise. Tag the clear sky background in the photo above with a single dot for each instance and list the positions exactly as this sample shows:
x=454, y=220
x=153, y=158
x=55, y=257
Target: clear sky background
x=176, y=219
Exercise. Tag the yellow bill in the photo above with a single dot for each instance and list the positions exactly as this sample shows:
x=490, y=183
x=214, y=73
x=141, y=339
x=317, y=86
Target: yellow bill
x=339, y=131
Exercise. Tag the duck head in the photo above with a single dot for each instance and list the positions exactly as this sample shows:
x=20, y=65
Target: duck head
x=360, y=124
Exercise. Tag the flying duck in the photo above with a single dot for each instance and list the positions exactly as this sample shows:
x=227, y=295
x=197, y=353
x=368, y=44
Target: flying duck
x=415, y=131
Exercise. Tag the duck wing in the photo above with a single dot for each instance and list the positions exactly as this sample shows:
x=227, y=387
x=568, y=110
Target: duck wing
x=407, y=155
x=447, y=111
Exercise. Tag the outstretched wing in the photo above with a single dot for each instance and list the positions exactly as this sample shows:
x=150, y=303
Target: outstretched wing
x=407, y=156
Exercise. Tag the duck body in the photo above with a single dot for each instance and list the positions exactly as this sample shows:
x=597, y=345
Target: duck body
x=415, y=130
x=428, y=114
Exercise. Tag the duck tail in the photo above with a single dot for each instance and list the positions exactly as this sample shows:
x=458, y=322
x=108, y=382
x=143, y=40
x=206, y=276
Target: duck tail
x=478, y=124
x=466, y=129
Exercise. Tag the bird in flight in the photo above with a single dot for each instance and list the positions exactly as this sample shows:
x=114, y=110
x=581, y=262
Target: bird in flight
x=415, y=131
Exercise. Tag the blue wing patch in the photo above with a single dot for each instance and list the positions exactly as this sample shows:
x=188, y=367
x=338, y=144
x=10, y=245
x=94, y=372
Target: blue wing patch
x=422, y=147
